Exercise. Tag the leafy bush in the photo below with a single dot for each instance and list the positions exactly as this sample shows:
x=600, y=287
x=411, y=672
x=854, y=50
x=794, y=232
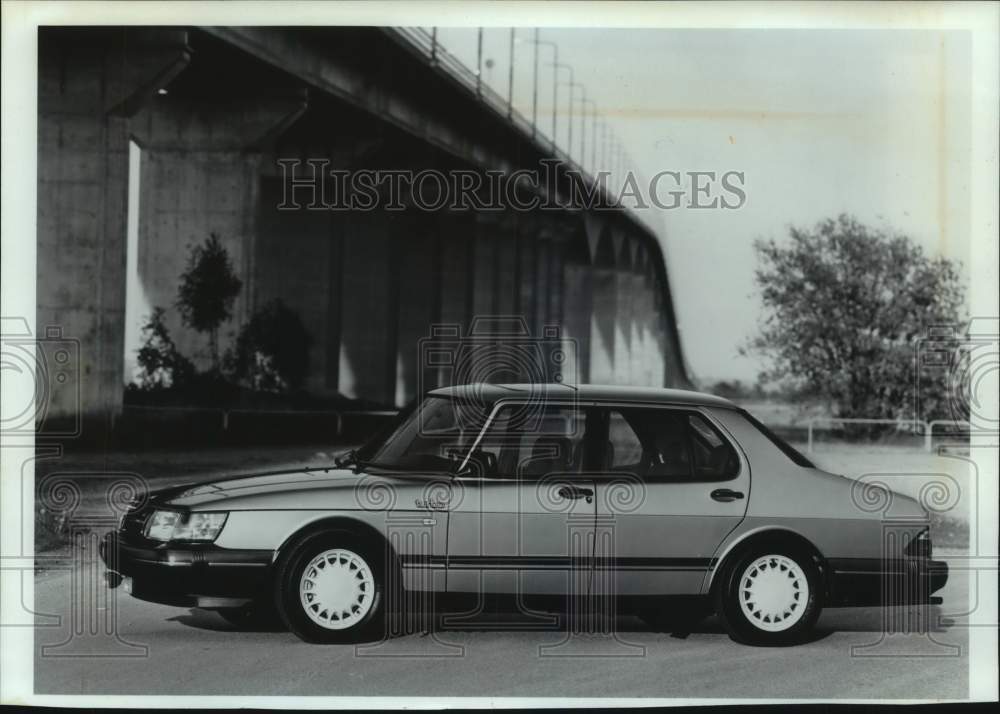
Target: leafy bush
x=207, y=290
x=51, y=529
x=272, y=350
x=161, y=365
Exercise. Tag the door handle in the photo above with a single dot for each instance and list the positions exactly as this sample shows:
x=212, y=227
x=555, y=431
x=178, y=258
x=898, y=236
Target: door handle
x=725, y=495
x=576, y=492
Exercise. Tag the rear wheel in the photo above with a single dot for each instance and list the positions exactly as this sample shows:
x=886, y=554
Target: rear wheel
x=332, y=590
x=770, y=595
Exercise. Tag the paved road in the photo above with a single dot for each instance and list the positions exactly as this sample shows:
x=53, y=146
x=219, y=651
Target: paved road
x=180, y=651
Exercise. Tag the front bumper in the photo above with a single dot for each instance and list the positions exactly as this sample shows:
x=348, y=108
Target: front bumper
x=186, y=575
x=873, y=581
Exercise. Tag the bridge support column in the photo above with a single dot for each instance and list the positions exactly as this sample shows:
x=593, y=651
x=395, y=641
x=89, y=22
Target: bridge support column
x=419, y=250
x=624, y=317
x=89, y=86
x=370, y=282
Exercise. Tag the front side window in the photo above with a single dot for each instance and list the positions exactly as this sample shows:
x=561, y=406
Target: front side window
x=435, y=436
x=528, y=442
x=667, y=444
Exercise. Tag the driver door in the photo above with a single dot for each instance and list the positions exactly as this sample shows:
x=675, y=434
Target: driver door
x=524, y=524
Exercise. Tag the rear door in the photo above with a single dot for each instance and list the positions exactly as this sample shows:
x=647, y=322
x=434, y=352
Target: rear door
x=670, y=488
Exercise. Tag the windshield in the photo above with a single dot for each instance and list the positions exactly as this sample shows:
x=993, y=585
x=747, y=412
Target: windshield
x=436, y=436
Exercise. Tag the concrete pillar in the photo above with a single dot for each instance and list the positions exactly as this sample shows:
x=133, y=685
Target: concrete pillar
x=578, y=307
x=660, y=339
x=625, y=316
x=646, y=323
x=200, y=175
x=507, y=265
x=369, y=307
x=89, y=84
x=605, y=312
x=419, y=247
x=485, y=248
x=297, y=259
x=527, y=267
x=543, y=281
x=637, y=285
x=455, y=235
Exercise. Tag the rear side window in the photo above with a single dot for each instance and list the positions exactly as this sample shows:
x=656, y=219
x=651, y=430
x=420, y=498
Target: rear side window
x=667, y=445
x=787, y=449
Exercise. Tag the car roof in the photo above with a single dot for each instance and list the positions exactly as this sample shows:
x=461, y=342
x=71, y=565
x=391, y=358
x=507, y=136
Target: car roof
x=590, y=392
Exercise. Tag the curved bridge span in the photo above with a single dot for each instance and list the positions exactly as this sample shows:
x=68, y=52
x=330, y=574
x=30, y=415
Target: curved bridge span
x=151, y=139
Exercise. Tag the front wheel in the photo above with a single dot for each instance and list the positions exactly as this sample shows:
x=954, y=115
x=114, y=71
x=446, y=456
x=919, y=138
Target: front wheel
x=332, y=590
x=770, y=596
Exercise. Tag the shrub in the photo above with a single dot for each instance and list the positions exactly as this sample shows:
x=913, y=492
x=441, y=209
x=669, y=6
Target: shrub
x=161, y=365
x=272, y=350
x=207, y=290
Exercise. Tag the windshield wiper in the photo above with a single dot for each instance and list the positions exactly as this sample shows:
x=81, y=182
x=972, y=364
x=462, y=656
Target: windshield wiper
x=353, y=459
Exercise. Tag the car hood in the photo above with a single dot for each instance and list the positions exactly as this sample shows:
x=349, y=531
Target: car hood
x=341, y=489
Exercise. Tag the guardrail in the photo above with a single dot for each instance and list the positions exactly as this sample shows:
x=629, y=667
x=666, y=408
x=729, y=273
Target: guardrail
x=425, y=44
x=925, y=428
x=224, y=415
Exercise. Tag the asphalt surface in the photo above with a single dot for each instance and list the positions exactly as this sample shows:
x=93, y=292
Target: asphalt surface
x=119, y=645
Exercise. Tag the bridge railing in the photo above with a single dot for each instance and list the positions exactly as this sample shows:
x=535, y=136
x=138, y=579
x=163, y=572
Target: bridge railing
x=426, y=44
x=438, y=55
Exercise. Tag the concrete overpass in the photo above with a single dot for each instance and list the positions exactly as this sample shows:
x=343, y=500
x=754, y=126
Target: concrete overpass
x=209, y=112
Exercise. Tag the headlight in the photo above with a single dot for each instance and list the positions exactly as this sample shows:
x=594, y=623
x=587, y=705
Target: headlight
x=174, y=525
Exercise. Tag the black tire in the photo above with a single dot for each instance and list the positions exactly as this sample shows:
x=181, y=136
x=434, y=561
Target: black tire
x=780, y=620
x=676, y=616
x=368, y=563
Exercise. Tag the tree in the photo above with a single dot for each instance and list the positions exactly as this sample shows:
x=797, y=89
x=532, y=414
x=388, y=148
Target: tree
x=161, y=366
x=207, y=290
x=272, y=350
x=846, y=307
x=730, y=389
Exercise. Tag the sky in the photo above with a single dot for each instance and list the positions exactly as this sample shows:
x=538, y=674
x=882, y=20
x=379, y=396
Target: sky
x=821, y=122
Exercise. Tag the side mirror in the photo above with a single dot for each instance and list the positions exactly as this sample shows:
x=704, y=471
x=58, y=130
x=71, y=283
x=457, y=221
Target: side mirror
x=345, y=460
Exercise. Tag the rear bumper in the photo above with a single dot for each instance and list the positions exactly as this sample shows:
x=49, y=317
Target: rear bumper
x=873, y=581
x=187, y=576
